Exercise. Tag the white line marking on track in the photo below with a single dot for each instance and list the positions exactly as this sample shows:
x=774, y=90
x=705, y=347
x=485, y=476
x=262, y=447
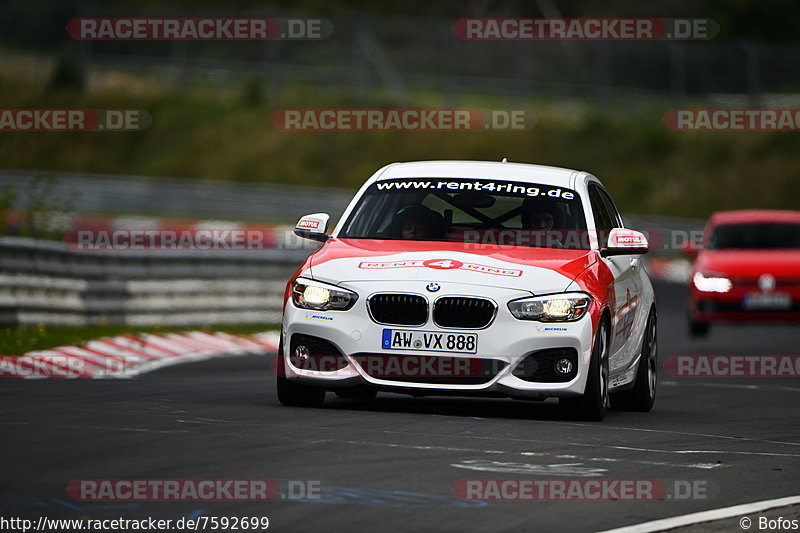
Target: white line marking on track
x=83, y=428
x=409, y=446
x=702, y=466
x=729, y=386
x=680, y=452
x=201, y=421
x=706, y=516
x=567, y=469
x=587, y=445
x=690, y=434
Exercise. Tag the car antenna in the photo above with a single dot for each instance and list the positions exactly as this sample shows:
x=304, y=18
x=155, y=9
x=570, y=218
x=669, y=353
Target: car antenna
x=505, y=160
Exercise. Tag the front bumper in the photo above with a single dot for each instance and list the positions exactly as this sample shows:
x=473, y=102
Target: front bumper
x=729, y=307
x=502, y=347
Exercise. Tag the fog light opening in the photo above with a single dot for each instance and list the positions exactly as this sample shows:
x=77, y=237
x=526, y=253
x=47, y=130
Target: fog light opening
x=563, y=366
x=301, y=351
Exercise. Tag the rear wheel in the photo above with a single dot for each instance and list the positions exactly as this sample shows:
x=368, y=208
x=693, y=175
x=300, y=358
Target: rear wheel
x=594, y=402
x=296, y=394
x=643, y=394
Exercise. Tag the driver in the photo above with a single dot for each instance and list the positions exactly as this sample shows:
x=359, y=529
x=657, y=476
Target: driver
x=539, y=214
x=417, y=222
x=413, y=229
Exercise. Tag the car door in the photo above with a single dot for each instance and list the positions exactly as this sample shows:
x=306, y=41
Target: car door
x=627, y=286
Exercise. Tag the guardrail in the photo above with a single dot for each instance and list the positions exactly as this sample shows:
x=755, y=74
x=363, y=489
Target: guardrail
x=180, y=197
x=47, y=282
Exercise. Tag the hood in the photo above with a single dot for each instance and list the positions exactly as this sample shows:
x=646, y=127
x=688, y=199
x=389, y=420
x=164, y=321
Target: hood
x=782, y=264
x=539, y=270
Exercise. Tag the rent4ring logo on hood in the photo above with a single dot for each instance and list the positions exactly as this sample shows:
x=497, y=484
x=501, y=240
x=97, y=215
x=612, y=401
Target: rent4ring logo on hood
x=441, y=264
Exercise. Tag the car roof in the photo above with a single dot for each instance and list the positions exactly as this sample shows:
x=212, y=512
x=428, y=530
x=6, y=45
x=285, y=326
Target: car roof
x=479, y=170
x=754, y=215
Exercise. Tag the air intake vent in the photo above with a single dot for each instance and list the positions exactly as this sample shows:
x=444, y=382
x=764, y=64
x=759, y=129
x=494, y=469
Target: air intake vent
x=439, y=369
x=460, y=312
x=398, y=309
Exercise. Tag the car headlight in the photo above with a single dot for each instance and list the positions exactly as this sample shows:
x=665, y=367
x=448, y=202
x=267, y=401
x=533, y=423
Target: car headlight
x=310, y=294
x=712, y=283
x=565, y=307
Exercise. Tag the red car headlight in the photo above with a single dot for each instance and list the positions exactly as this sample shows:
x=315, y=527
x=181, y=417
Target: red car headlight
x=711, y=282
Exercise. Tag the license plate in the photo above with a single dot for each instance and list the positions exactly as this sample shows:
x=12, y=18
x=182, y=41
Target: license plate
x=432, y=341
x=767, y=301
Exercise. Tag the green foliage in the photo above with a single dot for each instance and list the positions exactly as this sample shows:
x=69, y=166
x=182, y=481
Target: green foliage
x=649, y=168
x=253, y=92
x=67, y=72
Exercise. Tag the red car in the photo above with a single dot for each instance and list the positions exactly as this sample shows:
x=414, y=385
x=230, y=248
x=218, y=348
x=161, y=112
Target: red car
x=747, y=270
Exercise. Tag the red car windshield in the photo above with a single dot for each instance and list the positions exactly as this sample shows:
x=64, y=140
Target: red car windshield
x=755, y=236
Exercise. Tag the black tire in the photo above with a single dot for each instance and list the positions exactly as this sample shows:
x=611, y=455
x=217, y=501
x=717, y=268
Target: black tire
x=296, y=394
x=643, y=394
x=357, y=393
x=698, y=329
x=593, y=404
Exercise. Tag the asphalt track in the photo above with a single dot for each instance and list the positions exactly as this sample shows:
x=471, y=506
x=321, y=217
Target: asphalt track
x=391, y=464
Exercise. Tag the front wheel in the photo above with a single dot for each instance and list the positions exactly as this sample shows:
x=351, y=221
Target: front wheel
x=295, y=394
x=594, y=402
x=298, y=395
x=643, y=394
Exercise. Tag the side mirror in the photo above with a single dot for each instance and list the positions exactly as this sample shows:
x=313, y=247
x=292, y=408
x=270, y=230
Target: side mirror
x=623, y=241
x=313, y=227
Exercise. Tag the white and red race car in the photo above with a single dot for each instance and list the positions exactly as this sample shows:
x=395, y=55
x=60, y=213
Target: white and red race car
x=473, y=278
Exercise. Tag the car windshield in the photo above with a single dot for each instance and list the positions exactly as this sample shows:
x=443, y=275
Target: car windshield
x=490, y=212
x=755, y=236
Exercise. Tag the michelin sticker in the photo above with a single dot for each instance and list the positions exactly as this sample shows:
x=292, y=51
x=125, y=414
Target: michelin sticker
x=314, y=316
